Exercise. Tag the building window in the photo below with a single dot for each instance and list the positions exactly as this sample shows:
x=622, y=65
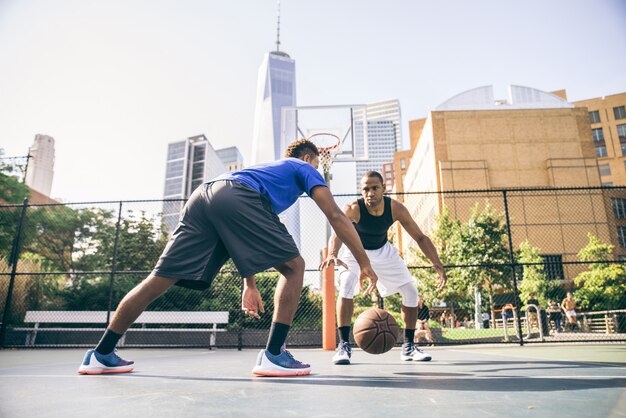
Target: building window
x=607, y=184
x=619, y=112
x=605, y=170
x=621, y=133
x=553, y=266
x=619, y=207
x=594, y=116
x=598, y=141
x=621, y=236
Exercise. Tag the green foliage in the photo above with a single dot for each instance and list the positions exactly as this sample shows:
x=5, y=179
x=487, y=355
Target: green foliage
x=603, y=287
x=533, y=277
x=481, y=240
x=12, y=190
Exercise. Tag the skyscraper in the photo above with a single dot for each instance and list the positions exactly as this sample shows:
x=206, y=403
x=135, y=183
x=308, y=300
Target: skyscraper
x=384, y=136
x=387, y=110
x=231, y=158
x=40, y=172
x=190, y=162
x=276, y=88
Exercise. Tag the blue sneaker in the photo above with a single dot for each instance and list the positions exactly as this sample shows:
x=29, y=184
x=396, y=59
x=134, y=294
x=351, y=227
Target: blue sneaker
x=283, y=364
x=96, y=363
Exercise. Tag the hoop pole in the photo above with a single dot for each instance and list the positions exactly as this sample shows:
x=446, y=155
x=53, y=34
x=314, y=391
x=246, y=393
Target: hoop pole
x=329, y=335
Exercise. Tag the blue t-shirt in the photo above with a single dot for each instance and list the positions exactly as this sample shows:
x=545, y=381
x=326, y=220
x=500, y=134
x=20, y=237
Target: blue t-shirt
x=281, y=182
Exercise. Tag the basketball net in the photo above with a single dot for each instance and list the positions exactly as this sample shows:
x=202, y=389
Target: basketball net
x=328, y=146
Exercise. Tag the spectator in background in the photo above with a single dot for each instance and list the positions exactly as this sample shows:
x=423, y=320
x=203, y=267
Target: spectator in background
x=485, y=319
x=554, y=310
x=569, y=306
x=422, y=328
x=443, y=319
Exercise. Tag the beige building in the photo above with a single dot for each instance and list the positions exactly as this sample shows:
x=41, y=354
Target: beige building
x=607, y=116
x=532, y=140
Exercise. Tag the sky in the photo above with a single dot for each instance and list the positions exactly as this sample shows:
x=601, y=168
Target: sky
x=115, y=81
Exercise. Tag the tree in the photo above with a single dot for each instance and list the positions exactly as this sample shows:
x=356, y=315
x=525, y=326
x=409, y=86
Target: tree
x=139, y=245
x=533, y=277
x=12, y=191
x=479, y=250
x=603, y=287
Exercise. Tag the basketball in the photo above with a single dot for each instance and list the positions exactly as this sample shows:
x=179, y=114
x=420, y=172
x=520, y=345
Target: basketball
x=375, y=331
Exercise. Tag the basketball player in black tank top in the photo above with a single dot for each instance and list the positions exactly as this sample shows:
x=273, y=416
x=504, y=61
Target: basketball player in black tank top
x=372, y=216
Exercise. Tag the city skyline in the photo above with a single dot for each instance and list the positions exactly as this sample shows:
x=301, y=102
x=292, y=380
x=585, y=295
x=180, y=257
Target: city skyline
x=170, y=70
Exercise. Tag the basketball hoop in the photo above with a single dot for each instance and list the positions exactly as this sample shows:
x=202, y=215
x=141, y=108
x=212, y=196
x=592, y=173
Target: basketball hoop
x=328, y=146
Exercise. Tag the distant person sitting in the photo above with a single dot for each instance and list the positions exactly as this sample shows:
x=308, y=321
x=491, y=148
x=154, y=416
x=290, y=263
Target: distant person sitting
x=554, y=310
x=422, y=328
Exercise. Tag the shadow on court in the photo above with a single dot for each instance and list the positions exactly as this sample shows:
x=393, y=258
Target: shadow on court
x=452, y=382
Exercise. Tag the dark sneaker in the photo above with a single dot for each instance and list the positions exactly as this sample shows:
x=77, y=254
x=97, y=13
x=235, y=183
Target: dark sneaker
x=283, y=364
x=96, y=363
x=343, y=353
x=411, y=353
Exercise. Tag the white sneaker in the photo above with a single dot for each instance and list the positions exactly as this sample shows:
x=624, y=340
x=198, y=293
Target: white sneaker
x=343, y=353
x=411, y=353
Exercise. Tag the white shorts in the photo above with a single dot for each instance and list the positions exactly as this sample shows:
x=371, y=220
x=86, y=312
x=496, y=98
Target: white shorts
x=571, y=313
x=390, y=268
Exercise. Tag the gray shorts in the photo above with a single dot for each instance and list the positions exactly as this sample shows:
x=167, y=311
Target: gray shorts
x=221, y=220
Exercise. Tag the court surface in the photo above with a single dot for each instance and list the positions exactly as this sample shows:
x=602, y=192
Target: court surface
x=465, y=381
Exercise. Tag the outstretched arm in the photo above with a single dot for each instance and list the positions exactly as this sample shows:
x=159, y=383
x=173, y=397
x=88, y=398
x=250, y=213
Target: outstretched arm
x=403, y=216
x=334, y=243
x=345, y=232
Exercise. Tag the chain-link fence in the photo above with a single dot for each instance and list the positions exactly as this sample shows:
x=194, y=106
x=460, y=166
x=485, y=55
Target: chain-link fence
x=511, y=256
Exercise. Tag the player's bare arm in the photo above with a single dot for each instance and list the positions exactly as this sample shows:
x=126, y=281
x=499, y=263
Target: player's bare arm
x=402, y=215
x=351, y=210
x=346, y=232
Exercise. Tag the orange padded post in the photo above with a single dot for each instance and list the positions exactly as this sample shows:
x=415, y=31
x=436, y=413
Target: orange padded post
x=329, y=334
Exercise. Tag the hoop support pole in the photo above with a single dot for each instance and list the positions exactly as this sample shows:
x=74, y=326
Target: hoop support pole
x=329, y=335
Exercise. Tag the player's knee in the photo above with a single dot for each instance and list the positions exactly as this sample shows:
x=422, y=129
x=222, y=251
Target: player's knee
x=347, y=284
x=295, y=266
x=409, y=295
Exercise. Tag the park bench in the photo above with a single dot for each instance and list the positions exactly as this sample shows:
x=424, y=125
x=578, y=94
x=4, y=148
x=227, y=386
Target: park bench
x=146, y=318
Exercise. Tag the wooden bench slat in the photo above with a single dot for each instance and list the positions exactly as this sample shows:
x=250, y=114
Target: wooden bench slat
x=148, y=317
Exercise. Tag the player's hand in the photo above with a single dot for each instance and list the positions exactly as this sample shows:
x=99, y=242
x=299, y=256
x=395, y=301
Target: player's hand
x=251, y=302
x=367, y=273
x=442, y=277
x=332, y=260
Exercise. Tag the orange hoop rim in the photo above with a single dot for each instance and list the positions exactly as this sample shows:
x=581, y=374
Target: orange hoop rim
x=324, y=149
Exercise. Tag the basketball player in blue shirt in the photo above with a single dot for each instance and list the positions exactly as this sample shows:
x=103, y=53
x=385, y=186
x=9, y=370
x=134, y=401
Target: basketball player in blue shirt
x=372, y=215
x=236, y=216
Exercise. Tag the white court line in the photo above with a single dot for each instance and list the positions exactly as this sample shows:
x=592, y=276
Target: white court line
x=598, y=364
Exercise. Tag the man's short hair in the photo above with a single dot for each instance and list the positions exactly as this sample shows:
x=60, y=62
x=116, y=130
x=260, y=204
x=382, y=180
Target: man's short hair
x=300, y=148
x=376, y=174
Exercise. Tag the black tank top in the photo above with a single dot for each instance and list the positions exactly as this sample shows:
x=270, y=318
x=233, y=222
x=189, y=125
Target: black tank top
x=373, y=229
